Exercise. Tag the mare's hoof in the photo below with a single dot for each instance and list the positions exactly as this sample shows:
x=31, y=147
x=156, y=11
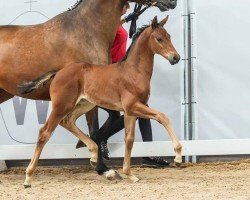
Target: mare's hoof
x=112, y=175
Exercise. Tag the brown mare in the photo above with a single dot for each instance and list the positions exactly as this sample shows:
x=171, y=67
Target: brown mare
x=79, y=87
x=84, y=33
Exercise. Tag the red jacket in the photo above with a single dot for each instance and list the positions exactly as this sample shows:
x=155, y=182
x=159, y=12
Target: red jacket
x=118, y=49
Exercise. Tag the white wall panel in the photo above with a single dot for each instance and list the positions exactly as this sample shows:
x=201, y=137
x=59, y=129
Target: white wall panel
x=222, y=42
x=20, y=118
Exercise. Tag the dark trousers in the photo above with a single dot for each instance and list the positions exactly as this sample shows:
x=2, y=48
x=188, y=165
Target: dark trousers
x=115, y=123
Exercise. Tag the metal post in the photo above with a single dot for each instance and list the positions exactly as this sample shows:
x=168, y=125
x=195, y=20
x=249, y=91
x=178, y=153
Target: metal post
x=190, y=86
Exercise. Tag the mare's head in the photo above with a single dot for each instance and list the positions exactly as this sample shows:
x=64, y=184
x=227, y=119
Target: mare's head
x=160, y=41
x=163, y=5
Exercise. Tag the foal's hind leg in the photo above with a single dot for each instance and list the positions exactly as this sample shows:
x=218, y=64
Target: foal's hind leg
x=93, y=124
x=69, y=123
x=44, y=135
x=92, y=146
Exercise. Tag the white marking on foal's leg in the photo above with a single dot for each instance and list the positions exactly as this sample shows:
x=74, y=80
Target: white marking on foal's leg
x=27, y=182
x=94, y=154
x=93, y=161
x=127, y=172
x=178, y=159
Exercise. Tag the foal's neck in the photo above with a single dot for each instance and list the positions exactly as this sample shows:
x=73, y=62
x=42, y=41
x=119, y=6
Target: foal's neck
x=141, y=58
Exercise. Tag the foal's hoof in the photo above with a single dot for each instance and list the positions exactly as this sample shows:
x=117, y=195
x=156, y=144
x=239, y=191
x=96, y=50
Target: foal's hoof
x=27, y=185
x=93, y=163
x=133, y=178
x=177, y=162
x=112, y=175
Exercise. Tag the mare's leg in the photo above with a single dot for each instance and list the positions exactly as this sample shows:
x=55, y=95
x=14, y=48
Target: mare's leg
x=44, y=135
x=129, y=141
x=141, y=110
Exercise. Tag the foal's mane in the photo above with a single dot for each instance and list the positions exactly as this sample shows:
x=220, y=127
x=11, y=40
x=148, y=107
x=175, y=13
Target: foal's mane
x=134, y=39
x=75, y=5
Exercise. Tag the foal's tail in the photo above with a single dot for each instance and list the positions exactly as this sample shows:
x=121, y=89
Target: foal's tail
x=36, y=83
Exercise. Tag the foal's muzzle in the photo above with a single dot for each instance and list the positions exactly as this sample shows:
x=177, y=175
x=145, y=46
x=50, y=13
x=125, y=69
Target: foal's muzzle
x=173, y=58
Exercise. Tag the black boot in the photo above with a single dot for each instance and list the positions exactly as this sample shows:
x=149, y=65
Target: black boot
x=105, y=150
x=154, y=162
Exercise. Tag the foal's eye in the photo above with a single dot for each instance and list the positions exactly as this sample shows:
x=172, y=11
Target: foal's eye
x=160, y=40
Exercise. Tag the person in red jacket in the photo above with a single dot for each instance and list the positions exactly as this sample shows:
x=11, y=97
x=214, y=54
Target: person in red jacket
x=118, y=52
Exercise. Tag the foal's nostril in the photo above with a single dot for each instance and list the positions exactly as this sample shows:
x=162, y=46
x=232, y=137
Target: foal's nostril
x=176, y=58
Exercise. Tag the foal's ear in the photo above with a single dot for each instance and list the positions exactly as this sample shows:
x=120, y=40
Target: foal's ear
x=163, y=22
x=155, y=23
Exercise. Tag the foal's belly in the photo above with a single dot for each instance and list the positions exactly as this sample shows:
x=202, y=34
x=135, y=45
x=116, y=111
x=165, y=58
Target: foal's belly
x=101, y=101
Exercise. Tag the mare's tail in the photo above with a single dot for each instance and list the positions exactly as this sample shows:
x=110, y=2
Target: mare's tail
x=36, y=83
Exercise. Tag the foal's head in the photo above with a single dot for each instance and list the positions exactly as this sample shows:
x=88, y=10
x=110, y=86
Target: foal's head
x=160, y=41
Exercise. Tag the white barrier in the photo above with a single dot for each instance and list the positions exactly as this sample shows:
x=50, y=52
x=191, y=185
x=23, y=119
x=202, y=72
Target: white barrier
x=220, y=85
x=140, y=149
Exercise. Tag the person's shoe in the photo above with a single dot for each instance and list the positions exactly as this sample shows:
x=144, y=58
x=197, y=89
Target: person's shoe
x=105, y=150
x=154, y=162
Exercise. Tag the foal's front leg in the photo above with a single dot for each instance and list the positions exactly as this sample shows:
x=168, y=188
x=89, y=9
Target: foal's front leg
x=129, y=122
x=143, y=111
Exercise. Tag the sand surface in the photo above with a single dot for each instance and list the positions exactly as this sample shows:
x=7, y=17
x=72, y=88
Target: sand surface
x=218, y=181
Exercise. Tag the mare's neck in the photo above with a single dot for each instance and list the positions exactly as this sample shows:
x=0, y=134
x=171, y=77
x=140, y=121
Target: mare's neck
x=100, y=17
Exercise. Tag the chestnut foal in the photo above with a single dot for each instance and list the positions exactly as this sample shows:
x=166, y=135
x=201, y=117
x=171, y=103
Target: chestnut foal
x=123, y=86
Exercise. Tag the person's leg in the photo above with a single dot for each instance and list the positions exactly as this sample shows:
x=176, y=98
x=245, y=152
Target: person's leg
x=147, y=136
x=113, y=124
x=146, y=130
x=93, y=124
x=113, y=116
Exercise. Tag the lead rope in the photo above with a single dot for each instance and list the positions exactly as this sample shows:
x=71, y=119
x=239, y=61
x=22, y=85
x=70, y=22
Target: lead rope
x=133, y=24
x=138, y=11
